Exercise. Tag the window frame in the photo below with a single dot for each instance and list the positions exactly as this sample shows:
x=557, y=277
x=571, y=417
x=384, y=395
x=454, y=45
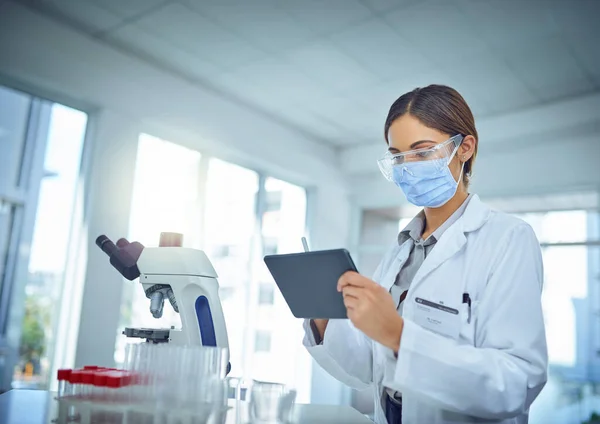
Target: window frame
x=24, y=196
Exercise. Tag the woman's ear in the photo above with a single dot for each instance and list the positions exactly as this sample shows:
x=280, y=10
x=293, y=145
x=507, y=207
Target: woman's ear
x=467, y=148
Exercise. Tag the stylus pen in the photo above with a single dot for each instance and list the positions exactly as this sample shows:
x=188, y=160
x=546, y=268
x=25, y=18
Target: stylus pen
x=305, y=244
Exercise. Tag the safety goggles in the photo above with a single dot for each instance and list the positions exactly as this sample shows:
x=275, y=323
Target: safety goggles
x=441, y=154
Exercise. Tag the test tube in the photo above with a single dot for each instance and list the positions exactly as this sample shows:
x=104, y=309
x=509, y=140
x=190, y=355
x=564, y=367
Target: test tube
x=75, y=409
x=115, y=382
x=64, y=386
x=88, y=391
x=64, y=389
x=100, y=385
x=75, y=380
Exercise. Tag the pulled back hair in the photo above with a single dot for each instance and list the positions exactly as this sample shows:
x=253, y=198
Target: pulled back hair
x=441, y=108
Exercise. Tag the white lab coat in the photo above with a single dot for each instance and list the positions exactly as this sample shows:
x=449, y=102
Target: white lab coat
x=496, y=367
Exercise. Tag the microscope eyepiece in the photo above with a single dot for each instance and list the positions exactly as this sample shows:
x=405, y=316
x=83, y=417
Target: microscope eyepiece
x=123, y=256
x=106, y=245
x=122, y=242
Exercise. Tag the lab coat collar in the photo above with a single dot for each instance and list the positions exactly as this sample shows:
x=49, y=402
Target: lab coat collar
x=476, y=214
x=453, y=240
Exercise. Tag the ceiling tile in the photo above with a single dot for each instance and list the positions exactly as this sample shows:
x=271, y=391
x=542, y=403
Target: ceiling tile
x=313, y=123
x=323, y=62
x=438, y=29
x=86, y=13
x=280, y=79
x=387, y=5
x=261, y=22
x=279, y=108
x=505, y=25
x=581, y=30
x=587, y=54
x=128, y=8
x=381, y=50
x=488, y=77
x=537, y=65
x=369, y=129
x=251, y=93
x=327, y=17
x=380, y=98
x=190, y=31
x=163, y=51
x=578, y=17
x=340, y=111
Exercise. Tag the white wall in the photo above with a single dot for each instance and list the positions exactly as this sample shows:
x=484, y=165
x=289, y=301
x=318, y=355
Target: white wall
x=561, y=121
x=41, y=56
x=552, y=148
x=557, y=166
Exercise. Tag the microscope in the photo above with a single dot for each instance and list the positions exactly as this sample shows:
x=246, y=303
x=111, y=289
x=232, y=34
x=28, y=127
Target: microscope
x=182, y=275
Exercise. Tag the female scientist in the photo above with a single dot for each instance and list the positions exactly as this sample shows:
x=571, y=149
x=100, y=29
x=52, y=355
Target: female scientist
x=450, y=328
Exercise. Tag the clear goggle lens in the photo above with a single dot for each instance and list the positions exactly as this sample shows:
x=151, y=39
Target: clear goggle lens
x=441, y=153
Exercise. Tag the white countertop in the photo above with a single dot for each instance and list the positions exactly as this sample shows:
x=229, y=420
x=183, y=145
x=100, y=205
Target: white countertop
x=39, y=407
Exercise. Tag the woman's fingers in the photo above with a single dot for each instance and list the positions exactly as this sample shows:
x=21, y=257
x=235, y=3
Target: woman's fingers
x=352, y=278
x=352, y=291
x=350, y=302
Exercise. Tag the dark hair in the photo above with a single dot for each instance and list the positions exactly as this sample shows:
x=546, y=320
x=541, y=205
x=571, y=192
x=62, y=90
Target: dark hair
x=438, y=107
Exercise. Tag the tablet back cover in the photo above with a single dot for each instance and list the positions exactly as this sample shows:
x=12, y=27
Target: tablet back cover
x=308, y=281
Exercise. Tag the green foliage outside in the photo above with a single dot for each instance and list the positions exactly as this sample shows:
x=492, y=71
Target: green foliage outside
x=594, y=419
x=33, y=336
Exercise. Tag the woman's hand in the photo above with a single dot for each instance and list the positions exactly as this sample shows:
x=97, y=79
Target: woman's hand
x=371, y=309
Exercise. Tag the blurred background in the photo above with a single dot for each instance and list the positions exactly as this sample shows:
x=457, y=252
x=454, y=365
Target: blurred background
x=246, y=125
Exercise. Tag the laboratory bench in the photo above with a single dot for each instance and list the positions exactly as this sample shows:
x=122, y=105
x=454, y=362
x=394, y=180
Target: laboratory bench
x=40, y=407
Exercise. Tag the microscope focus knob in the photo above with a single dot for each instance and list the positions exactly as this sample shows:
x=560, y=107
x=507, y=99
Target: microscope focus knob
x=171, y=240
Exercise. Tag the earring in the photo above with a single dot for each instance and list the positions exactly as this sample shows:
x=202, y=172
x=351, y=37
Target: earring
x=464, y=157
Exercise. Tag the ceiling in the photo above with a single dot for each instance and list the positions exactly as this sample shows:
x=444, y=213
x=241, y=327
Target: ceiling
x=331, y=68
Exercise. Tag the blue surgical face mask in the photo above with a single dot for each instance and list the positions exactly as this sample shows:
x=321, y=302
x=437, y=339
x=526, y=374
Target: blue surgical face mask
x=426, y=183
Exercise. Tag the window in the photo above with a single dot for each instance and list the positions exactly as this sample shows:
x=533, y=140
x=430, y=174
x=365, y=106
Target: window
x=41, y=147
x=262, y=341
x=266, y=294
x=571, y=256
x=565, y=278
x=165, y=201
x=236, y=216
x=230, y=220
x=283, y=221
x=14, y=119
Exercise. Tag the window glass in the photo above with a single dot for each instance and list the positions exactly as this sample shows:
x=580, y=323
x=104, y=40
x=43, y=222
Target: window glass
x=230, y=242
x=165, y=199
x=283, y=224
x=569, y=302
x=7, y=215
x=14, y=118
x=221, y=218
x=50, y=245
x=262, y=341
x=565, y=278
x=558, y=226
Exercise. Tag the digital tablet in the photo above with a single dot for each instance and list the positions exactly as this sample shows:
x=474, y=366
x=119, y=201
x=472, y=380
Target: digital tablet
x=308, y=281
